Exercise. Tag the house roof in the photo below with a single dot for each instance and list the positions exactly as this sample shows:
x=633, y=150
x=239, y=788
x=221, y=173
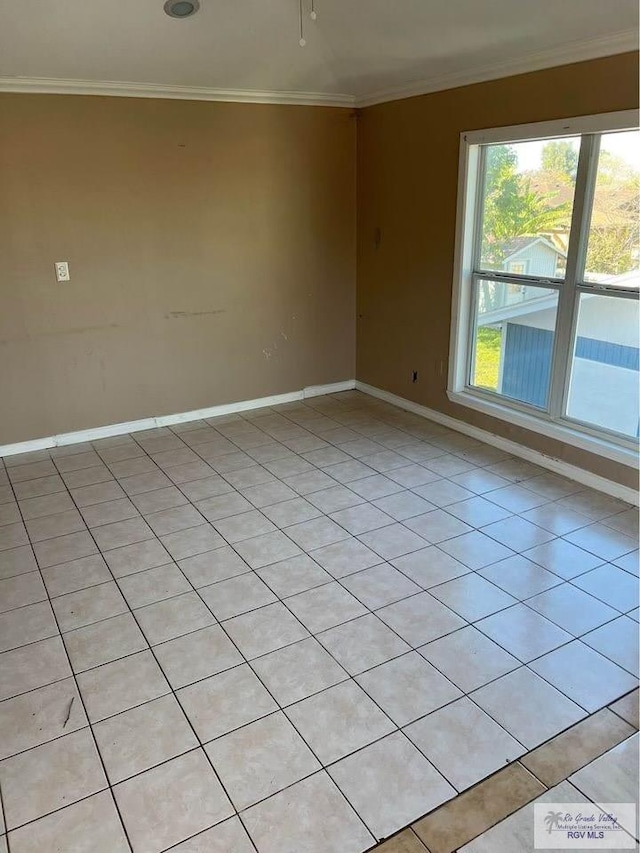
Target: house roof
x=516, y=245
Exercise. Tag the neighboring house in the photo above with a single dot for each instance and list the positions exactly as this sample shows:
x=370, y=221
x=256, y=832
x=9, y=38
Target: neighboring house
x=604, y=383
x=532, y=256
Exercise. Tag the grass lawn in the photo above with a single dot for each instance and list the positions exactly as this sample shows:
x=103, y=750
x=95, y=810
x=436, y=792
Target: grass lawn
x=487, y=364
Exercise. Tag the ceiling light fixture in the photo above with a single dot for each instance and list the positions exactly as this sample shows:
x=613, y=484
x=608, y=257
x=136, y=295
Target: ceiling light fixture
x=181, y=8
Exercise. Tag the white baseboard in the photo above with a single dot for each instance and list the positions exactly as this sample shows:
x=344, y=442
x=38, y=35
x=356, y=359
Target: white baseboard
x=571, y=472
x=167, y=420
x=320, y=390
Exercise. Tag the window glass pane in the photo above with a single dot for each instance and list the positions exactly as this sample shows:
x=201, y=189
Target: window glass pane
x=604, y=374
x=527, y=203
x=513, y=340
x=613, y=254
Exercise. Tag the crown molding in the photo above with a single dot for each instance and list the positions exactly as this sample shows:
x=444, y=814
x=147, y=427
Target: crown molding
x=576, y=51
x=54, y=86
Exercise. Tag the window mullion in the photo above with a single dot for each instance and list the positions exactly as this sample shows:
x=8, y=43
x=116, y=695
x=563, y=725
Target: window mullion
x=576, y=256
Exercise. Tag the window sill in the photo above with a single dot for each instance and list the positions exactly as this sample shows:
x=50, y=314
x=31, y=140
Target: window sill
x=559, y=431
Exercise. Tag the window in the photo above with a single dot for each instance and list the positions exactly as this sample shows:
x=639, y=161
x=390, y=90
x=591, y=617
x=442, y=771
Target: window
x=545, y=314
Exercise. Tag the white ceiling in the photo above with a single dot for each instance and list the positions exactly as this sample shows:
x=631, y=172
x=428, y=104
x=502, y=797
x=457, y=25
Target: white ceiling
x=365, y=50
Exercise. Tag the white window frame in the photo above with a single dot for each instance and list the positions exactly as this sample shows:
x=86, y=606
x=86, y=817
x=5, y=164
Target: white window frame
x=551, y=423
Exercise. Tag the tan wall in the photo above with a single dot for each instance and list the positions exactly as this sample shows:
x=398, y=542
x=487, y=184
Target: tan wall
x=407, y=187
x=211, y=249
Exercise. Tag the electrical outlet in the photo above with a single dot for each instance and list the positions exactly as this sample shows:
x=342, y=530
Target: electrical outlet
x=62, y=271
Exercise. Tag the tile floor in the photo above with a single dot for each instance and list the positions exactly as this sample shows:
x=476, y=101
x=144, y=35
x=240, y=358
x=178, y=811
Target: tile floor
x=299, y=628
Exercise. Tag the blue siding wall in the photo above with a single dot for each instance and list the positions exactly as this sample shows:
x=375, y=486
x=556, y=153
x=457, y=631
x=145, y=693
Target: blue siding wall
x=527, y=363
x=527, y=360
x=614, y=354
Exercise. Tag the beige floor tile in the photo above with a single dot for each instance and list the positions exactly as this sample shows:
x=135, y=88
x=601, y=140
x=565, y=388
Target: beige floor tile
x=430, y=566
x=40, y=716
x=511, y=698
x=345, y=557
x=108, y=512
x=361, y=518
x=103, y=642
x=153, y=585
x=470, y=814
x=380, y=585
x=264, y=630
x=138, y=484
x=48, y=485
x=420, y=619
x=408, y=688
x=362, y=643
x=75, y=575
x=515, y=833
x=472, y=597
x=523, y=632
x=226, y=837
x=612, y=778
x=298, y=670
x=89, y=495
x=405, y=842
x=390, y=783
x=63, y=549
x=223, y=506
x=603, y=541
x=174, y=519
x=173, y=617
x=260, y=759
x=618, y=641
x=137, y=557
x=32, y=666
x=562, y=558
x=169, y=803
x=49, y=526
x=627, y=708
x=143, y=737
x=468, y=658
x=572, y=609
x=122, y=684
x=404, y=505
x=86, y=606
x=557, y=759
x=338, y=721
x=196, y=656
x=212, y=566
x=122, y=533
x=90, y=826
x=585, y=676
x=45, y=505
x=17, y=561
x=225, y=702
x=194, y=540
x=26, y=625
x=392, y=541
x=476, y=550
x=520, y=577
x=297, y=574
x=325, y=606
x=325, y=822
x=236, y=595
x=464, y=743
x=160, y=499
x=612, y=585
x=21, y=590
x=50, y=777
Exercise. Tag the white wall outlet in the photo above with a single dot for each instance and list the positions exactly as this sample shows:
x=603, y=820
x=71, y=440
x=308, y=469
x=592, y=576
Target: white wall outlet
x=62, y=271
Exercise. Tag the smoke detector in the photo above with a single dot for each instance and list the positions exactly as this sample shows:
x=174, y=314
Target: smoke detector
x=181, y=8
